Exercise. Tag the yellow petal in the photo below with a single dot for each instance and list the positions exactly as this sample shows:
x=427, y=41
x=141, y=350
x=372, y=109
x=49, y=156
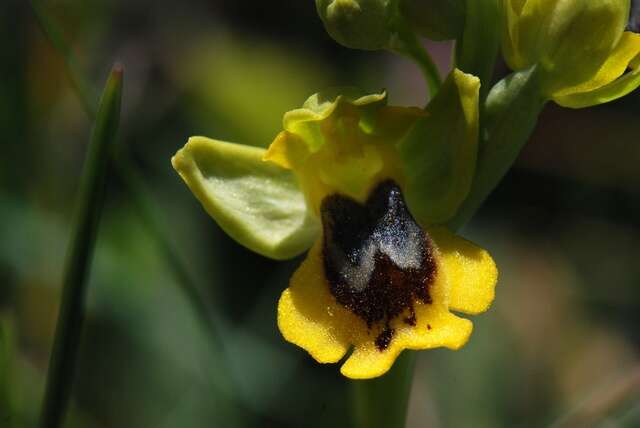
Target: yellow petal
x=305, y=122
x=627, y=49
x=436, y=327
x=470, y=271
x=310, y=317
x=342, y=143
x=391, y=123
x=282, y=150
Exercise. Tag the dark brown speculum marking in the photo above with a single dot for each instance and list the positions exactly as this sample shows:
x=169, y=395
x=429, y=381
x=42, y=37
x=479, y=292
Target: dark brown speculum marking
x=377, y=259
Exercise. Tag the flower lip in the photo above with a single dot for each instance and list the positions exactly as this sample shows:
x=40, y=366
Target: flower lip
x=377, y=260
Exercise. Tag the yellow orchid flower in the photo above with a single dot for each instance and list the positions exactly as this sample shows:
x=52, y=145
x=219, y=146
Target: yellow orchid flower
x=365, y=186
x=580, y=47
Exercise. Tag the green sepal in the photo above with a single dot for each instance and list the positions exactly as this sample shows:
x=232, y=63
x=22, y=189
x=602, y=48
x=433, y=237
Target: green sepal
x=439, y=153
x=612, y=81
x=569, y=39
x=614, y=90
x=256, y=202
x=511, y=113
x=589, y=38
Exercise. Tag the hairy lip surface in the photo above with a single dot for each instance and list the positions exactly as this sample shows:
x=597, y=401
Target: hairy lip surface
x=377, y=259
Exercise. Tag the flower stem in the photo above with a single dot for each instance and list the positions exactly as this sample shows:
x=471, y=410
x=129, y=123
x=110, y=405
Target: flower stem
x=412, y=48
x=383, y=402
x=89, y=208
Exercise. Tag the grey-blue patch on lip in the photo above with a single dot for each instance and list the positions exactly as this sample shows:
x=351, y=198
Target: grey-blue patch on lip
x=377, y=259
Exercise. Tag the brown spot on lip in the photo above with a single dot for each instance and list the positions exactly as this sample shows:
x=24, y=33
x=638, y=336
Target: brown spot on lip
x=384, y=338
x=377, y=259
x=411, y=319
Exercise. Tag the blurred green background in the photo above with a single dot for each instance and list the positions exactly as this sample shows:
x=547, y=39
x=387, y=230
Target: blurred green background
x=560, y=346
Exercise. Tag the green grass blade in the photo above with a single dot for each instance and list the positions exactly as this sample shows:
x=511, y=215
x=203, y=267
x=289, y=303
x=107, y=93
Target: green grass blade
x=79, y=254
x=138, y=192
x=126, y=171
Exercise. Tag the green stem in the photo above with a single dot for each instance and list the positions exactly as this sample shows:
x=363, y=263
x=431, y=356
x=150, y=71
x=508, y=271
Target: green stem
x=126, y=172
x=383, y=402
x=81, y=246
x=412, y=48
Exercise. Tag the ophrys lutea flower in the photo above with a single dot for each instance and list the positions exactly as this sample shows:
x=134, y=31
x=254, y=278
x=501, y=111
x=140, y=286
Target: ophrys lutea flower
x=366, y=187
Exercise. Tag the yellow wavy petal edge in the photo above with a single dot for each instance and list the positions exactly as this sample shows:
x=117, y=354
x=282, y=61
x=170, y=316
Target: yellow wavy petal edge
x=310, y=317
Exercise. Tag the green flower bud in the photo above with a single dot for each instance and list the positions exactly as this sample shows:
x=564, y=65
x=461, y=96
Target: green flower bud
x=435, y=19
x=570, y=40
x=359, y=24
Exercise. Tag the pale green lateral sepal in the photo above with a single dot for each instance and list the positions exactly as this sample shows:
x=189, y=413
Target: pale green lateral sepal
x=611, y=82
x=614, y=90
x=256, y=202
x=439, y=153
